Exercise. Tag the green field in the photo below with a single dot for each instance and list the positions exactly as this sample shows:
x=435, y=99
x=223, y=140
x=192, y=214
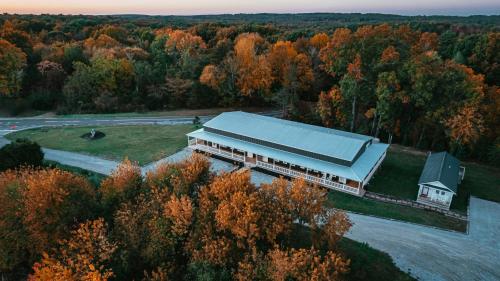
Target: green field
x=370, y=264
x=365, y=206
x=143, y=144
x=400, y=171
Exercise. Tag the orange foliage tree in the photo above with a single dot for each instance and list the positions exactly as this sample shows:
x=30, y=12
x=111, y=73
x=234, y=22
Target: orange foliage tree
x=306, y=264
x=124, y=183
x=84, y=256
x=291, y=70
x=12, y=63
x=47, y=204
x=254, y=72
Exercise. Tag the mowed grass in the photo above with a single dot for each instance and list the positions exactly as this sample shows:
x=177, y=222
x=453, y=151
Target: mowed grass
x=365, y=206
x=370, y=264
x=400, y=171
x=143, y=144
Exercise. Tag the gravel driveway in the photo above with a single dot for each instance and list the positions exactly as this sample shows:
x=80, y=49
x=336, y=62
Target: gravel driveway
x=432, y=254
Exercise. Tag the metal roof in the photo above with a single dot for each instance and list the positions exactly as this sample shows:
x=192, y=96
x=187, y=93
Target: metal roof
x=333, y=143
x=441, y=167
x=359, y=171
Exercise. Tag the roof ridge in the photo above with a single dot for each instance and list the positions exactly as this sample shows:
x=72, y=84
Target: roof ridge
x=441, y=166
x=319, y=129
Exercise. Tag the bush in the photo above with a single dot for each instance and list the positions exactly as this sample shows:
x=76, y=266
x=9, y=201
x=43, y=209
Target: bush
x=19, y=153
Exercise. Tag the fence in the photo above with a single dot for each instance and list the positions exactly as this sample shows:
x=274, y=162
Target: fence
x=413, y=204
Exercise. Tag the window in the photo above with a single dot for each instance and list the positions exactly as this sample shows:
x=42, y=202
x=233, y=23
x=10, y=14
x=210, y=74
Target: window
x=437, y=192
x=442, y=192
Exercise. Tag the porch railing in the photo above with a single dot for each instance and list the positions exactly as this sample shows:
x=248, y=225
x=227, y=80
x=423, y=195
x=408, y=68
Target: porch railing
x=437, y=203
x=218, y=151
x=310, y=178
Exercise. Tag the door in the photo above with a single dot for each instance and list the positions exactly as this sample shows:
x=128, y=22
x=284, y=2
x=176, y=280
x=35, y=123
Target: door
x=425, y=191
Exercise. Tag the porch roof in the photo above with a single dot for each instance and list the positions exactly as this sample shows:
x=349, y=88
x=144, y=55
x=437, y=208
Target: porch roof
x=358, y=171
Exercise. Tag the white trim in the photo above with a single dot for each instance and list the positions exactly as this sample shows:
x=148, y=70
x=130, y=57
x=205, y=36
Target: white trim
x=438, y=184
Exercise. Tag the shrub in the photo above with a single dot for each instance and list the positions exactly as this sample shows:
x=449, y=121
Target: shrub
x=19, y=153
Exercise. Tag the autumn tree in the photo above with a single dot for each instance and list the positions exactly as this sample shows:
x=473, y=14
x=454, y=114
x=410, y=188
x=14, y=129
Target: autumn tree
x=319, y=41
x=124, y=183
x=291, y=70
x=53, y=74
x=185, y=50
x=306, y=264
x=338, y=53
x=12, y=63
x=210, y=76
x=14, y=240
x=154, y=226
x=48, y=203
x=86, y=255
x=254, y=71
x=466, y=127
x=389, y=102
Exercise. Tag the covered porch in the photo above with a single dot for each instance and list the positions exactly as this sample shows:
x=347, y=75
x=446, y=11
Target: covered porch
x=278, y=166
x=433, y=196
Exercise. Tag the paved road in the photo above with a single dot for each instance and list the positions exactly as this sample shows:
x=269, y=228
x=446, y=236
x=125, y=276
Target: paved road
x=86, y=162
x=96, y=164
x=33, y=122
x=432, y=254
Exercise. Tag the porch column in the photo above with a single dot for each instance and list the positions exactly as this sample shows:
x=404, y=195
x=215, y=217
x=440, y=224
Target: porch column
x=232, y=152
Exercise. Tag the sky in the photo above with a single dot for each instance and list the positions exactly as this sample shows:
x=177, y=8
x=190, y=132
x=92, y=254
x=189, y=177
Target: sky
x=197, y=7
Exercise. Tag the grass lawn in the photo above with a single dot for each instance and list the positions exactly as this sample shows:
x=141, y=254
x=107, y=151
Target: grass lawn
x=401, y=170
x=370, y=264
x=355, y=204
x=139, y=143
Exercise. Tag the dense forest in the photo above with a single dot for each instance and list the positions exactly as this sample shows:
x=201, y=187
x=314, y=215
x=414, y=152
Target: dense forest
x=427, y=82
x=180, y=222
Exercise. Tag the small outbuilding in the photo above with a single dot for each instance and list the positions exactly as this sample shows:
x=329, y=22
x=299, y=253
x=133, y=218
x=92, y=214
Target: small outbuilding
x=439, y=180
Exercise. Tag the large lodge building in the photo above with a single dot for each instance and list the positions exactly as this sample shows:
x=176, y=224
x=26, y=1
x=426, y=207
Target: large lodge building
x=331, y=158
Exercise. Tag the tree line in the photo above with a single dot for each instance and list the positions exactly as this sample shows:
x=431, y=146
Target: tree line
x=179, y=222
x=428, y=85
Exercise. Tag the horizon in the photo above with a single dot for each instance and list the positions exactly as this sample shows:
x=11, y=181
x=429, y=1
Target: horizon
x=228, y=7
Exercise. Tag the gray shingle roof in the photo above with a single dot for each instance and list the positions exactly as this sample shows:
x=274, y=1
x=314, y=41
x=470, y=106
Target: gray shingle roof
x=333, y=143
x=441, y=167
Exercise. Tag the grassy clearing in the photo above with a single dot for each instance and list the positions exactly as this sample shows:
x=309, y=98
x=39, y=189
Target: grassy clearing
x=401, y=170
x=370, y=264
x=143, y=144
x=355, y=204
